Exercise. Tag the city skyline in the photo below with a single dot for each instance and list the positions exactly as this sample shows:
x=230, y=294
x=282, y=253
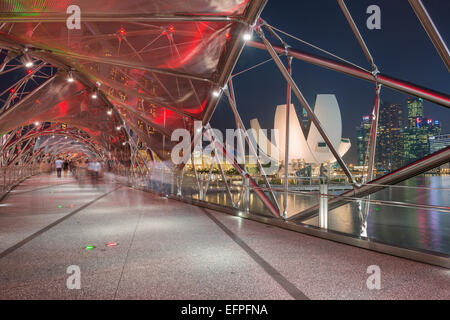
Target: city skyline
x=396, y=48
x=403, y=137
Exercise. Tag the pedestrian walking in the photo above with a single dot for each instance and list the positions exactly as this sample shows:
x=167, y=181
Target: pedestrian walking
x=59, y=165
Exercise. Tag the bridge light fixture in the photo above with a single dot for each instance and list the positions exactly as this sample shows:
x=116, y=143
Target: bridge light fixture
x=247, y=36
x=109, y=112
x=70, y=77
x=26, y=60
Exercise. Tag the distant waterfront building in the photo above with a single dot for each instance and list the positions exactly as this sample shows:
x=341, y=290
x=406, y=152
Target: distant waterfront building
x=417, y=139
x=362, y=139
x=415, y=111
x=399, y=144
x=439, y=142
x=390, y=146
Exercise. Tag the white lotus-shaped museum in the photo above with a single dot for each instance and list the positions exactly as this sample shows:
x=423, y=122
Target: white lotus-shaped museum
x=312, y=150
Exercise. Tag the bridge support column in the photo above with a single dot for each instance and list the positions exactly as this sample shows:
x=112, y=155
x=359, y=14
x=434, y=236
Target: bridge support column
x=246, y=194
x=201, y=191
x=323, y=205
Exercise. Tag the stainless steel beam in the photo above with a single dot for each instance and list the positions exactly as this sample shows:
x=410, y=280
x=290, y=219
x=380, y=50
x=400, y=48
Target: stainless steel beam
x=432, y=31
x=45, y=17
x=373, y=134
x=286, y=142
x=229, y=61
x=357, y=34
x=420, y=166
x=305, y=105
x=252, y=149
x=390, y=82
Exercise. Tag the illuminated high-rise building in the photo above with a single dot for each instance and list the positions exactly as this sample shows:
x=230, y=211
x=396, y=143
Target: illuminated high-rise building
x=362, y=138
x=415, y=111
x=389, y=155
x=417, y=139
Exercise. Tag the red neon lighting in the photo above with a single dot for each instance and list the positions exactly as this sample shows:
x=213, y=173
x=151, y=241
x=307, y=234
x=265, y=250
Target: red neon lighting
x=188, y=53
x=111, y=244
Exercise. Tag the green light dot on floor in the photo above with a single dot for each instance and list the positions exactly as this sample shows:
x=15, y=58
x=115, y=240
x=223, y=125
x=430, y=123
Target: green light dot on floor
x=377, y=209
x=60, y=207
x=89, y=248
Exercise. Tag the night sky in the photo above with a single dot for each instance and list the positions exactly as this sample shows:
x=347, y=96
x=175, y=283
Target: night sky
x=400, y=49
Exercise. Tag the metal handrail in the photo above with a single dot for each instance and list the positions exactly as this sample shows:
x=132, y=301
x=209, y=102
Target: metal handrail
x=12, y=175
x=314, y=194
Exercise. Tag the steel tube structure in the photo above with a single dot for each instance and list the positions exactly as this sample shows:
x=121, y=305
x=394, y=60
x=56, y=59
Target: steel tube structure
x=47, y=17
x=358, y=36
x=219, y=146
x=373, y=134
x=236, y=48
x=252, y=149
x=286, y=153
x=306, y=105
x=420, y=166
x=390, y=82
x=432, y=31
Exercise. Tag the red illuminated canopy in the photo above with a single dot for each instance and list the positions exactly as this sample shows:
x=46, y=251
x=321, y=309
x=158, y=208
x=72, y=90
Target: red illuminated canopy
x=156, y=62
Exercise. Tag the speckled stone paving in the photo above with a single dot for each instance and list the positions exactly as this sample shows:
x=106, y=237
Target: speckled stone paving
x=170, y=250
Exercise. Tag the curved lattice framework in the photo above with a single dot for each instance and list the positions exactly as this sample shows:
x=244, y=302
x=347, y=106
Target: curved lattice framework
x=137, y=70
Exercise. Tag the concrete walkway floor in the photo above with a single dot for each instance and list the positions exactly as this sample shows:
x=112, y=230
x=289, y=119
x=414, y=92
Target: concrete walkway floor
x=171, y=250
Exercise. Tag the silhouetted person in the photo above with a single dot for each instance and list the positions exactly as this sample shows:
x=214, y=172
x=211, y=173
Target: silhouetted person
x=59, y=165
x=65, y=167
x=97, y=167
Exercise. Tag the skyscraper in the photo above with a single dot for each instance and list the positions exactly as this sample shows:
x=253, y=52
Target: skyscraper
x=415, y=111
x=362, y=138
x=417, y=139
x=389, y=155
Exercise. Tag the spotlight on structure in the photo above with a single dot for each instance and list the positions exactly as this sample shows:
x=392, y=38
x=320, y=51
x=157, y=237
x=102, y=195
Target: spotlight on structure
x=118, y=128
x=26, y=59
x=216, y=93
x=94, y=95
x=247, y=36
x=36, y=123
x=70, y=77
x=28, y=64
x=109, y=112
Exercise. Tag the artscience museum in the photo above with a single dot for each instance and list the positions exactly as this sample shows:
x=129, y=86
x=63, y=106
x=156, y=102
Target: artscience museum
x=305, y=144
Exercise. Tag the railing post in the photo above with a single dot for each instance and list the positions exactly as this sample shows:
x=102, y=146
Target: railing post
x=323, y=204
x=246, y=193
x=179, y=179
x=201, y=189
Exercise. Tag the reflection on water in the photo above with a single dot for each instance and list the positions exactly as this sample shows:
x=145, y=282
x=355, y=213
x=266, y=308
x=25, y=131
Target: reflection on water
x=407, y=227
